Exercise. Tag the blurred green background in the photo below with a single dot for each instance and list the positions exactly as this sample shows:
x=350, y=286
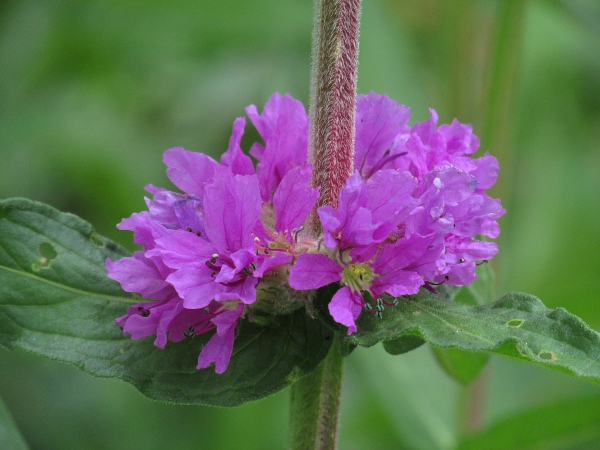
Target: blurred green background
x=92, y=93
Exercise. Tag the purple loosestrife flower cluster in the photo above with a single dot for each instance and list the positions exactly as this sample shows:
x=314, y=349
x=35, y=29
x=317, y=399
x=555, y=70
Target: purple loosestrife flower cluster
x=406, y=218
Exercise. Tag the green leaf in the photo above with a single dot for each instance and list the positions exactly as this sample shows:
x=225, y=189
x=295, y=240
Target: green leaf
x=10, y=436
x=56, y=301
x=567, y=424
x=517, y=326
x=462, y=365
x=403, y=344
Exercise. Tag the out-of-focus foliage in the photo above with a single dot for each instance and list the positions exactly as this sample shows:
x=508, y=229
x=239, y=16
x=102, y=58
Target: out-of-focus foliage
x=92, y=93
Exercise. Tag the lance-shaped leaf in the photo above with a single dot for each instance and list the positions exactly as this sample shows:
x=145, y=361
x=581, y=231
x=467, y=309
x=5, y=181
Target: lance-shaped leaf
x=56, y=301
x=10, y=436
x=517, y=326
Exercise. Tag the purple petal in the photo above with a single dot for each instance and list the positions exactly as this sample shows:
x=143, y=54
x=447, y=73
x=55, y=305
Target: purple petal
x=139, y=274
x=379, y=120
x=142, y=319
x=294, y=199
x=218, y=349
x=244, y=290
x=330, y=224
x=182, y=321
x=234, y=158
x=358, y=230
x=195, y=284
x=232, y=206
x=486, y=171
x=189, y=171
x=269, y=262
x=162, y=206
x=460, y=274
x=190, y=215
x=283, y=126
x=145, y=230
x=313, y=270
x=389, y=197
x=460, y=139
x=402, y=254
x=397, y=283
x=345, y=307
x=181, y=248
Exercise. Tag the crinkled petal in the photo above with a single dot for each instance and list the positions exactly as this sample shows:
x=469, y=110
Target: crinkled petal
x=401, y=282
x=190, y=215
x=189, y=171
x=330, y=224
x=460, y=139
x=403, y=253
x=345, y=307
x=161, y=207
x=269, y=262
x=145, y=230
x=313, y=270
x=379, y=120
x=486, y=171
x=139, y=274
x=195, y=284
x=218, y=349
x=181, y=248
x=294, y=199
x=142, y=319
x=232, y=205
x=184, y=321
x=283, y=126
x=234, y=158
x=389, y=197
x=459, y=274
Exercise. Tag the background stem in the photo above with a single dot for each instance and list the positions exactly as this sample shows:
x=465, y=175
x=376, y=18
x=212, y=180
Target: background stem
x=315, y=404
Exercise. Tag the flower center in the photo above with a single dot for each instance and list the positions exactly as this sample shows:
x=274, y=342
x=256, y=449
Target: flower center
x=358, y=277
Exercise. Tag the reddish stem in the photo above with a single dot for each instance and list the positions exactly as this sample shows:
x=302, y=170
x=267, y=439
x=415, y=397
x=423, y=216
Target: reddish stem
x=333, y=105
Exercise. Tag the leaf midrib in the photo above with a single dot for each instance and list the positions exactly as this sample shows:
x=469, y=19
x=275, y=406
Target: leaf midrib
x=79, y=292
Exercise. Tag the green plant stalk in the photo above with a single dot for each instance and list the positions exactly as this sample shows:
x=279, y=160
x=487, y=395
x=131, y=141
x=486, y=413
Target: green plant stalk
x=502, y=85
x=315, y=404
x=315, y=399
x=498, y=110
x=333, y=96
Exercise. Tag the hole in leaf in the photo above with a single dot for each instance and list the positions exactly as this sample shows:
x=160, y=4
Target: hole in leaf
x=547, y=356
x=521, y=350
x=515, y=323
x=47, y=255
x=97, y=240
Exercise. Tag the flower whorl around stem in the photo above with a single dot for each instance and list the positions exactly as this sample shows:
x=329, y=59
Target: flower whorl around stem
x=407, y=217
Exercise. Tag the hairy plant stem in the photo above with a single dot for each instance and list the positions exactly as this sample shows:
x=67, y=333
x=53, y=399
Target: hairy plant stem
x=333, y=96
x=315, y=399
x=315, y=404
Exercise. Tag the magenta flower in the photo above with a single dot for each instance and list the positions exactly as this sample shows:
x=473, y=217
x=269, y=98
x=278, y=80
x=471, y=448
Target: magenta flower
x=407, y=218
x=205, y=252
